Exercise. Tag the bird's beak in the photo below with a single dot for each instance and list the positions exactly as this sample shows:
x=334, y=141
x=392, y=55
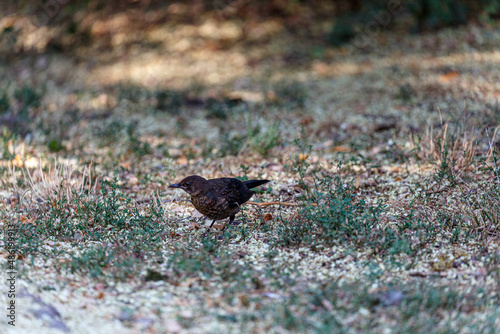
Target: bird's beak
x=175, y=185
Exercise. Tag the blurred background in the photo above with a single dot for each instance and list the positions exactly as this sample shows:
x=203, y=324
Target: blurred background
x=79, y=76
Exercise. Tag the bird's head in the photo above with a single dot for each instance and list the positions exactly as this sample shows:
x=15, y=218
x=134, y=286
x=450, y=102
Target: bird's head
x=190, y=184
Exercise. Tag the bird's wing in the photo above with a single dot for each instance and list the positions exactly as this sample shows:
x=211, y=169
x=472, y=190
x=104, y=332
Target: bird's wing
x=230, y=194
x=254, y=183
x=211, y=197
x=242, y=192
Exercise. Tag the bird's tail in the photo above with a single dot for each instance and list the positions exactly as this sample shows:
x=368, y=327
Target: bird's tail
x=254, y=183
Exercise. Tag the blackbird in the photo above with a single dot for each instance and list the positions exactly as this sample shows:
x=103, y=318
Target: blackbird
x=218, y=198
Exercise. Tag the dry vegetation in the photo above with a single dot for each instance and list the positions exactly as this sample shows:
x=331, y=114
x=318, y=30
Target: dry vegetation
x=383, y=214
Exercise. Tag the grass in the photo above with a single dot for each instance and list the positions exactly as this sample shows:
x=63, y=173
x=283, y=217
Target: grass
x=360, y=230
x=7, y=138
x=338, y=308
x=29, y=98
x=260, y=139
x=4, y=102
x=292, y=94
x=107, y=217
x=113, y=238
x=330, y=215
x=123, y=137
x=263, y=140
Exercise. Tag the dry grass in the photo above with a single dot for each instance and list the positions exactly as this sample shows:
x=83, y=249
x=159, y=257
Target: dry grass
x=57, y=181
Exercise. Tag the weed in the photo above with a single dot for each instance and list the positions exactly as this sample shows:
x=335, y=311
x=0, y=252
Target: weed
x=406, y=92
x=29, y=98
x=110, y=132
x=217, y=109
x=4, y=102
x=262, y=141
x=107, y=216
x=412, y=306
x=55, y=145
x=210, y=261
x=245, y=170
x=450, y=147
x=331, y=213
x=135, y=145
x=57, y=181
x=169, y=100
x=291, y=94
x=6, y=138
x=483, y=208
x=118, y=132
x=132, y=92
x=230, y=144
x=445, y=171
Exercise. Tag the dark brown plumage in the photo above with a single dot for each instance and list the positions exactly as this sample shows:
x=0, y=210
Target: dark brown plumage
x=218, y=198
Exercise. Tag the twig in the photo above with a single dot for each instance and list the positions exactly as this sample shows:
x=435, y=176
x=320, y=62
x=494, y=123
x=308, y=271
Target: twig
x=148, y=200
x=432, y=192
x=278, y=203
x=426, y=274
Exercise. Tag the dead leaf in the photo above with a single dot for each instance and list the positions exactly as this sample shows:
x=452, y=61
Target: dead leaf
x=126, y=165
x=132, y=181
x=219, y=226
x=182, y=160
x=244, y=300
x=194, y=226
x=306, y=120
x=447, y=77
x=271, y=96
x=357, y=182
x=18, y=161
x=321, y=68
x=268, y=217
x=394, y=169
x=340, y=148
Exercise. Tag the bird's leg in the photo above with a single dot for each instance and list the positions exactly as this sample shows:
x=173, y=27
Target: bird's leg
x=231, y=219
x=208, y=229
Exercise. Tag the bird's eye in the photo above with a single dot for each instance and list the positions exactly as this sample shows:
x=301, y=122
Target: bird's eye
x=186, y=184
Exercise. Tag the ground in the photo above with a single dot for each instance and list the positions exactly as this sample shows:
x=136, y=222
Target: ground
x=383, y=210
